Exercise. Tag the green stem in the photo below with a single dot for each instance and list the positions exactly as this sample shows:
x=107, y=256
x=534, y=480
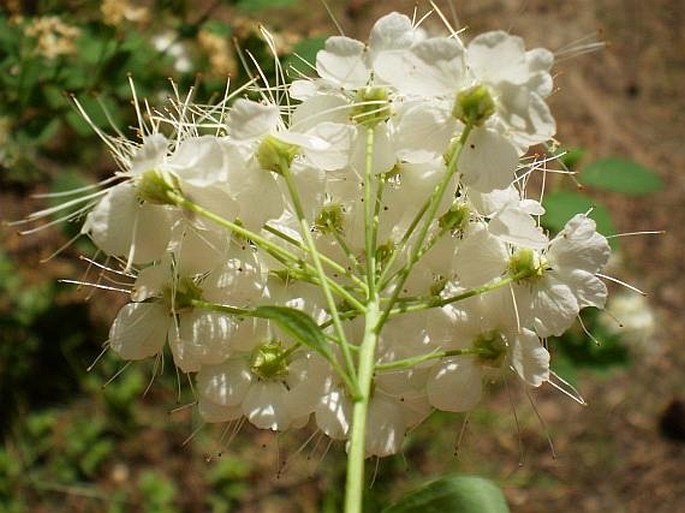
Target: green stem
x=328, y=261
x=436, y=197
x=354, y=486
x=408, y=363
x=370, y=220
x=281, y=254
x=325, y=284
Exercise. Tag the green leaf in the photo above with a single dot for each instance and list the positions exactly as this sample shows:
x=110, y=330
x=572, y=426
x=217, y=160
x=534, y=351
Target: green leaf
x=453, y=494
x=563, y=205
x=298, y=325
x=619, y=175
x=303, y=53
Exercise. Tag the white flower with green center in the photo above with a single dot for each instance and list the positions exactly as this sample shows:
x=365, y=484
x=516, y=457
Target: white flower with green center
x=562, y=278
x=272, y=387
x=487, y=332
x=163, y=312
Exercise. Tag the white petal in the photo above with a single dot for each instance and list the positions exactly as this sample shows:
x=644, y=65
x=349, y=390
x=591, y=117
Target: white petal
x=200, y=161
x=264, y=405
x=424, y=131
x=202, y=338
x=334, y=415
x=151, y=281
x=150, y=155
x=391, y=32
x=334, y=153
x=455, y=384
x=385, y=427
x=579, y=246
x=588, y=289
x=249, y=120
x=434, y=67
x=480, y=258
x=318, y=109
x=488, y=160
x=225, y=384
x=120, y=226
x=554, y=307
x=497, y=56
x=515, y=226
x=139, y=330
x=530, y=359
x=342, y=61
x=212, y=412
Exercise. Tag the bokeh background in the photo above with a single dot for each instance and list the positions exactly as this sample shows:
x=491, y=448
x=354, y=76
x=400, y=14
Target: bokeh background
x=79, y=440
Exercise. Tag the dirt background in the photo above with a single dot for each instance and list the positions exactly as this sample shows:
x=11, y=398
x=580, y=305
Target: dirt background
x=625, y=100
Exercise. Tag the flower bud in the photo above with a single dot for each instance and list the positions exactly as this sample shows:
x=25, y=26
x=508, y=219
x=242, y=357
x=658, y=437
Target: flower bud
x=474, y=105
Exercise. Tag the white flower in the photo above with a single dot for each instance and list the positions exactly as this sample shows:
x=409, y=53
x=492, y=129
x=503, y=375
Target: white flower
x=348, y=64
x=486, y=328
x=277, y=402
x=161, y=313
x=567, y=283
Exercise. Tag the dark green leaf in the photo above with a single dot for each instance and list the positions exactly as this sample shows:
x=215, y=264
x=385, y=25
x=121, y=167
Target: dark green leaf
x=619, y=175
x=563, y=205
x=297, y=324
x=453, y=494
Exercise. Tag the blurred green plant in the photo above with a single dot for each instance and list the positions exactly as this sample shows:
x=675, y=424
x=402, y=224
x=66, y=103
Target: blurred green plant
x=88, y=50
x=158, y=492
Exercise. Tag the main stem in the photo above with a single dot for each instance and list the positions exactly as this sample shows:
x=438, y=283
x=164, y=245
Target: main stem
x=354, y=485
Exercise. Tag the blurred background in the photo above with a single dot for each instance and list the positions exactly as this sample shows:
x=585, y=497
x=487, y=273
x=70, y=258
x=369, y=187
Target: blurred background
x=102, y=440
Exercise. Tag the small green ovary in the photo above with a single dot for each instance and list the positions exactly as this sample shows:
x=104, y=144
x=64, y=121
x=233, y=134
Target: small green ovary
x=330, y=219
x=525, y=264
x=276, y=155
x=158, y=187
x=491, y=348
x=371, y=106
x=474, y=105
x=269, y=361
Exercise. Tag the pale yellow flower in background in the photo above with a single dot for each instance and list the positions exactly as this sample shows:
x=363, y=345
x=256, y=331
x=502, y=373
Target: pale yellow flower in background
x=116, y=11
x=221, y=60
x=54, y=37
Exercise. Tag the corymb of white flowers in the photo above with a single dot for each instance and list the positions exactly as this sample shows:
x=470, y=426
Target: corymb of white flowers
x=358, y=247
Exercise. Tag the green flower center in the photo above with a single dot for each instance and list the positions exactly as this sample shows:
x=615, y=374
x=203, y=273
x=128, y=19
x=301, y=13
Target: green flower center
x=491, y=348
x=269, y=361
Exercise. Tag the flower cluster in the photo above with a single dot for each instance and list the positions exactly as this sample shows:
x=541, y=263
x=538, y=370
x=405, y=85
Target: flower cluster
x=363, y=235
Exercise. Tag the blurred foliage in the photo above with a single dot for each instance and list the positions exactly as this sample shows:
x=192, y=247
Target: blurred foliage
x=53, y=50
